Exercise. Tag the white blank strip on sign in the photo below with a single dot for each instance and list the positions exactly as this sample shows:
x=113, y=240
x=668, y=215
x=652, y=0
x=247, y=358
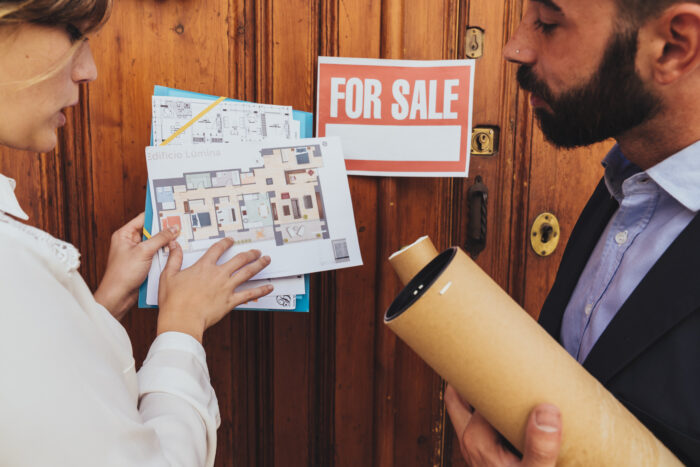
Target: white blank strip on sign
x=398, y=143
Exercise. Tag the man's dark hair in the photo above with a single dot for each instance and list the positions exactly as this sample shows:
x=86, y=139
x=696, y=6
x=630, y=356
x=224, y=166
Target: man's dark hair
x=638, y=12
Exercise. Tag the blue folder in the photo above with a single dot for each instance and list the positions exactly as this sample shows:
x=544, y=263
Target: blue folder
x=306, y=124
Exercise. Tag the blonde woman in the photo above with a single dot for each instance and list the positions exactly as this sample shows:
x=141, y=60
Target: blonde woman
x=70, y=394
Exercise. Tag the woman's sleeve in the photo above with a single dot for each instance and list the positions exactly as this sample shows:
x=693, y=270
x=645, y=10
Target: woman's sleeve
x=177, y=401
x=69, y=394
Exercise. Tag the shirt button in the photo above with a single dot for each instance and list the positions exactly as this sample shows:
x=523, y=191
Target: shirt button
x=588, y=309
x=621, y=238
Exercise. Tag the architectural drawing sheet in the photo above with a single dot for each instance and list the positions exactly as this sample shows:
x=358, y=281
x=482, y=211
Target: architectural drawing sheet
x=289, y=199
x=227, y=122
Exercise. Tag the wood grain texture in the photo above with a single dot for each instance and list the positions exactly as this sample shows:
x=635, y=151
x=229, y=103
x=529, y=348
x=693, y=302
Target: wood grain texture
x=37, y=177
x=357, y=34
x=293, y=54
x=495, y=103
x=407, y=391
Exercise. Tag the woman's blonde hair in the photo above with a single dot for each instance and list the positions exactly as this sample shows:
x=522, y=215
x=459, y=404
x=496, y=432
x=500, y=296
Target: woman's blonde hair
x=87, y=15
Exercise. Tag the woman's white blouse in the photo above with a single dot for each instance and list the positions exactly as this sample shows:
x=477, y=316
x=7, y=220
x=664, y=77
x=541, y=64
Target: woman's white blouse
x=69, y=392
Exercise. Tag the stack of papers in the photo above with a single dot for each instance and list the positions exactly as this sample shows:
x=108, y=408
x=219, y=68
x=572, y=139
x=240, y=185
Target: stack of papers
x=222, y=168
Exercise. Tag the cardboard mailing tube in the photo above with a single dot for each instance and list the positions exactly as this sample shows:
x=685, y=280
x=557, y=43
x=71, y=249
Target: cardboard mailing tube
x=410, y=260
x=455, y=317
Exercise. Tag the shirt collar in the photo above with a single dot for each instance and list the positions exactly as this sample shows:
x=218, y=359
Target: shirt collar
x=8, y=200
x=617, y=170
x=679, y=176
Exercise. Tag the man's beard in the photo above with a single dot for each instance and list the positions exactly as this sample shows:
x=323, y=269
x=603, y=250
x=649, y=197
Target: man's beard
x=614, y=101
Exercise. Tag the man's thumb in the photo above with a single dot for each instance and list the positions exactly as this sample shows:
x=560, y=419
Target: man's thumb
x=174, y=262
x=542, y=437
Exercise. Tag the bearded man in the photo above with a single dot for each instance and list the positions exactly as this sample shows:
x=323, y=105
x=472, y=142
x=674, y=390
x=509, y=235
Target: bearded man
x=626, y=300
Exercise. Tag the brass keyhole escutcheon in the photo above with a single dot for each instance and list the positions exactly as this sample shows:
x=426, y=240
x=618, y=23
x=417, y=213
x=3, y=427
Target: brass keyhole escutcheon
x=475, y=43
x=544, y=235
x=484, y=141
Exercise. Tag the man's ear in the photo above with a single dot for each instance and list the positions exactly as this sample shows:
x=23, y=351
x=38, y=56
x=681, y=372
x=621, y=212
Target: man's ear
x=675, y=43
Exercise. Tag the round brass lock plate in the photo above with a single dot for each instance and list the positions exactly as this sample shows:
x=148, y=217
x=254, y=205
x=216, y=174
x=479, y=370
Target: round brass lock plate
x=544, y=235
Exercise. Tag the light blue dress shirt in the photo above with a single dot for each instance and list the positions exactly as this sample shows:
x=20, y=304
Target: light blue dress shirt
x=655, y=207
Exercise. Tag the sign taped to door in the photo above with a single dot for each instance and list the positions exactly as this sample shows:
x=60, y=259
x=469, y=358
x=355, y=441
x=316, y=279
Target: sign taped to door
x=403, y=118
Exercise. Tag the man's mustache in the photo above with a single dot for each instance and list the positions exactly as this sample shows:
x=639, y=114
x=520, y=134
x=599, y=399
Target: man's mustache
x=530, y=83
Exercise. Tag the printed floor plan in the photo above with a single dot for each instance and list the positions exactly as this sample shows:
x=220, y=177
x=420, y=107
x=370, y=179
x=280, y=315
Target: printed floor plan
x=280, y=200
x=227, y=122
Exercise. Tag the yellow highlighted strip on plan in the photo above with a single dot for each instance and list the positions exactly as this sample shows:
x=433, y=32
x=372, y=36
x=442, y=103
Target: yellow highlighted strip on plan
x=182, y=129
x=193, y=121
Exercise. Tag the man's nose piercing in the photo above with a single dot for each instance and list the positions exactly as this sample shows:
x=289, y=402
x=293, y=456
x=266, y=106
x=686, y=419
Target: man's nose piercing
x=517, y=51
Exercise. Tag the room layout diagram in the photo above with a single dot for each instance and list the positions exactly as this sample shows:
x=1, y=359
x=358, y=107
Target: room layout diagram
x=279, y=199
x=227, y=122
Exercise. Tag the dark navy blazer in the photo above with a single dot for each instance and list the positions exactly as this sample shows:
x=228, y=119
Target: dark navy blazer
x=649, y=355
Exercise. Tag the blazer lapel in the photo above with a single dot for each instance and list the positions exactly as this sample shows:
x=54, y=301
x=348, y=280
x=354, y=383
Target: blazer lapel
x=667, y=295
x=584, y=237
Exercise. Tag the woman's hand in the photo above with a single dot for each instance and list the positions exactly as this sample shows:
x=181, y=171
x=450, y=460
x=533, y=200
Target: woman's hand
x=196, y=298
x=127, y=265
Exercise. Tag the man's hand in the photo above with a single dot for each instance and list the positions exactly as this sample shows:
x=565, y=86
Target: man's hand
x=481, y=445
x=193, y=299
x=128, y=264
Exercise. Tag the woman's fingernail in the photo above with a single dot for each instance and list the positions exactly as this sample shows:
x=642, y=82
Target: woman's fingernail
x=270, y=288
x=174, y=229
x=547, y=419
x=267, y=259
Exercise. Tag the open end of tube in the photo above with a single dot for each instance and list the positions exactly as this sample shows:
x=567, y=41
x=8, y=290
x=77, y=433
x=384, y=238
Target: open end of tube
x=407, y=247
x=419, y=284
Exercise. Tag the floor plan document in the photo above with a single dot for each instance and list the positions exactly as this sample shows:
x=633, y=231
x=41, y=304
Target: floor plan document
x=228, y=122
x=289, y=199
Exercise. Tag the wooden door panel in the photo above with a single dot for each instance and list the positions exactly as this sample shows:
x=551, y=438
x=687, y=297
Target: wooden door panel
x=495, y=103
x=294, y=48
x=560, y=183
x=409, y=416
x=353, y=292
x=36, y=177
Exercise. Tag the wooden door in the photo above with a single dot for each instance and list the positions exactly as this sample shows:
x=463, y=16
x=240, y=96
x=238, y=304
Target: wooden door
x=334, y=386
